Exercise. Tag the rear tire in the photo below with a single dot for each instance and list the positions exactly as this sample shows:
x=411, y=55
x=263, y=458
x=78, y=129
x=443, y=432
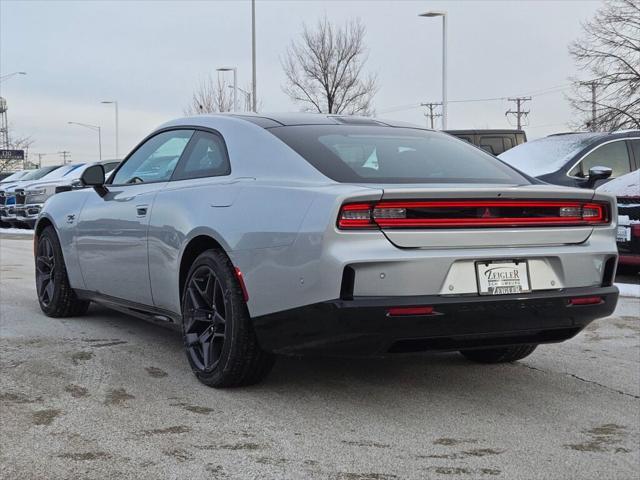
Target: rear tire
x=499, y=355
x=55, y=295
x=219, y=339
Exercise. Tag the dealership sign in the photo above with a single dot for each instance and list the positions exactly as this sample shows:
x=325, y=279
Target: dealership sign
x=11, y=154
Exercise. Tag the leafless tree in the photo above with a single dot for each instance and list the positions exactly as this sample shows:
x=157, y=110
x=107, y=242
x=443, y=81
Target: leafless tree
x=210, y=97
x=17, y=143
x=609, y=53
x=324, y=69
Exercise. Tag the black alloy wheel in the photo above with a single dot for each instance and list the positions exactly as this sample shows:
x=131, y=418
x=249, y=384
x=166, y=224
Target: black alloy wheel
x=220, y=343
x=205, y=318
x=45, y=271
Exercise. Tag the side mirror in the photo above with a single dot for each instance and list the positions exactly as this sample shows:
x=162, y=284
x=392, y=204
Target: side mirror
x=93, y=176
x=597, y=173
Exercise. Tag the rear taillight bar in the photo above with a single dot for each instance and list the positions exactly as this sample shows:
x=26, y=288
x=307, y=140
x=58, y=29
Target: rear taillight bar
x=472, y=213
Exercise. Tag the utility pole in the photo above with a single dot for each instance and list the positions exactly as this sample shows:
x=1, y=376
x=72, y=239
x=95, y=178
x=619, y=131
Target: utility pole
x=593, y=125
x=65, y=154
x=40, y=155
x=431, y=106
x=519, y=112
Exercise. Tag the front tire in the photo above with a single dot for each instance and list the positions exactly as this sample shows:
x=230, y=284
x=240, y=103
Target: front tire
x=499, y=355
x=219, y=339
x=55, y=295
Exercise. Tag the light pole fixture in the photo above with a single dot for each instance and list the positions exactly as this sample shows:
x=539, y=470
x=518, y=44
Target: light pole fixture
x=253, y=58
x=444, y=60
x=115, y=103
x=247, y=98
x=235, y=84
x=95, y=128
x=7, y=76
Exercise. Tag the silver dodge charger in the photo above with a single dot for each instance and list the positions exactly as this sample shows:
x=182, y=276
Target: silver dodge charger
x=258, y=235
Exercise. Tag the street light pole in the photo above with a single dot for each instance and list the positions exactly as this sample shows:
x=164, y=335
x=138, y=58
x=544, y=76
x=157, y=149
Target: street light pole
x=444, y=62
x=235, y=84
x=95, y=128
x=115, y=103
x=253, y=56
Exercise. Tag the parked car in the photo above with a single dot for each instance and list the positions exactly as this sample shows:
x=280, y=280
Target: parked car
x=30, y=198
x=7, y=192
x=573, y=159
x=627, y=191
x=271, y=234
x=493, y=141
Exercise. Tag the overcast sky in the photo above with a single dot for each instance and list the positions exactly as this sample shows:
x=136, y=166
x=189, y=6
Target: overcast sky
x=151, y=55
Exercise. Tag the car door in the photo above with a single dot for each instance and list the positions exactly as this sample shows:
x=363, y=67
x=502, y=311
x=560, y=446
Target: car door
x=111, y=231
x=614, y=155
x=197, y=198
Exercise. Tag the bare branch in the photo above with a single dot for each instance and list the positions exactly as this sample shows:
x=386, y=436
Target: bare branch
x=609, y=53
x=210, y=97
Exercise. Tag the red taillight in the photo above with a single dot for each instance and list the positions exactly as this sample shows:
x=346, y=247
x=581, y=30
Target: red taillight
x=635, y=230
x=585, y=301
x=472, y=213
x=404, y=311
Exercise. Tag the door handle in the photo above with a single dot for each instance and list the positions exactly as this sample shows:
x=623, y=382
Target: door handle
x=142, y=210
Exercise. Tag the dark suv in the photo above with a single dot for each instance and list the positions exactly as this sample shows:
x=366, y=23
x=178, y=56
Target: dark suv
x=493, y=141
x=567, y=158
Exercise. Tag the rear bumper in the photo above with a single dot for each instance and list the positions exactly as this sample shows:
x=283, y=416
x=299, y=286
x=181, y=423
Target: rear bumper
x=362, y=326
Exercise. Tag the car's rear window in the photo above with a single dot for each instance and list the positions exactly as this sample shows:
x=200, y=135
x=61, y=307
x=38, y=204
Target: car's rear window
x=368, y=154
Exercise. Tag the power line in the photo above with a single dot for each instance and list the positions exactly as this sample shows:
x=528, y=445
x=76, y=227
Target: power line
x=535, y=93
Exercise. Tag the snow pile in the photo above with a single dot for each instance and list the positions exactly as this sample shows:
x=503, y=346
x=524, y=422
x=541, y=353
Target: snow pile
x=628, y=290
x=15, y=231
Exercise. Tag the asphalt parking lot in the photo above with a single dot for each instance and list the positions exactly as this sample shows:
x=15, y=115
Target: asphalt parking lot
x=109, y=396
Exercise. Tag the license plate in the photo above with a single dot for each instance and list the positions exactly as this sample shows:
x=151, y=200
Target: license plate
x=503, y=278
x=623, y=234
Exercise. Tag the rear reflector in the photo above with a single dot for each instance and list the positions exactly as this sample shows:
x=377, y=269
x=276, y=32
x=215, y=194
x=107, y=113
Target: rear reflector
x=585, y=301
x=402, y=311
x=243, y=287
x=472, y=214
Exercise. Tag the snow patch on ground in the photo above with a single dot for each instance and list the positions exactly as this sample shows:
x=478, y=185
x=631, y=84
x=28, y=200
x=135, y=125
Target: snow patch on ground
x=15, y=231
x=628, y=290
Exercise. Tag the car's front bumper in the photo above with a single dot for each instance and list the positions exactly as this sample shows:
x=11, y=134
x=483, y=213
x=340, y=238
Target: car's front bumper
x=28, y=214
x=363, y=326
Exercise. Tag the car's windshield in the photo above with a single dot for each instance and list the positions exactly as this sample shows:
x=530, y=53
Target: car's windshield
x=546, y=155
x=63, y=171
x=41, y=172
x=16, y=175
x=366, y=154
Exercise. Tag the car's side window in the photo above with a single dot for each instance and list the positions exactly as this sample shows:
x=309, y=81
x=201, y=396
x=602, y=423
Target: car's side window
x=155, y=160
x=206, y=156
x=613, y=155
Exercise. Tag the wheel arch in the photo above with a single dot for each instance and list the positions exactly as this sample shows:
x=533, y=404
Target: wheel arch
x=196, y=245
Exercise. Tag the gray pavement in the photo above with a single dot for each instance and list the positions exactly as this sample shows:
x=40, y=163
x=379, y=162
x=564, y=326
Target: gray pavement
x=109, y=396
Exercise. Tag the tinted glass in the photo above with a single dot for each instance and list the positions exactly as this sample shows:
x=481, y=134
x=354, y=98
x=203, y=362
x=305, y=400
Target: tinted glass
x=492, y=144
x=613, y=155
x=108, y=167
x=64, y=171
x=155, y=160
x=635, y=145
x=41, y=172
x=205, y=157
x=359, y=154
